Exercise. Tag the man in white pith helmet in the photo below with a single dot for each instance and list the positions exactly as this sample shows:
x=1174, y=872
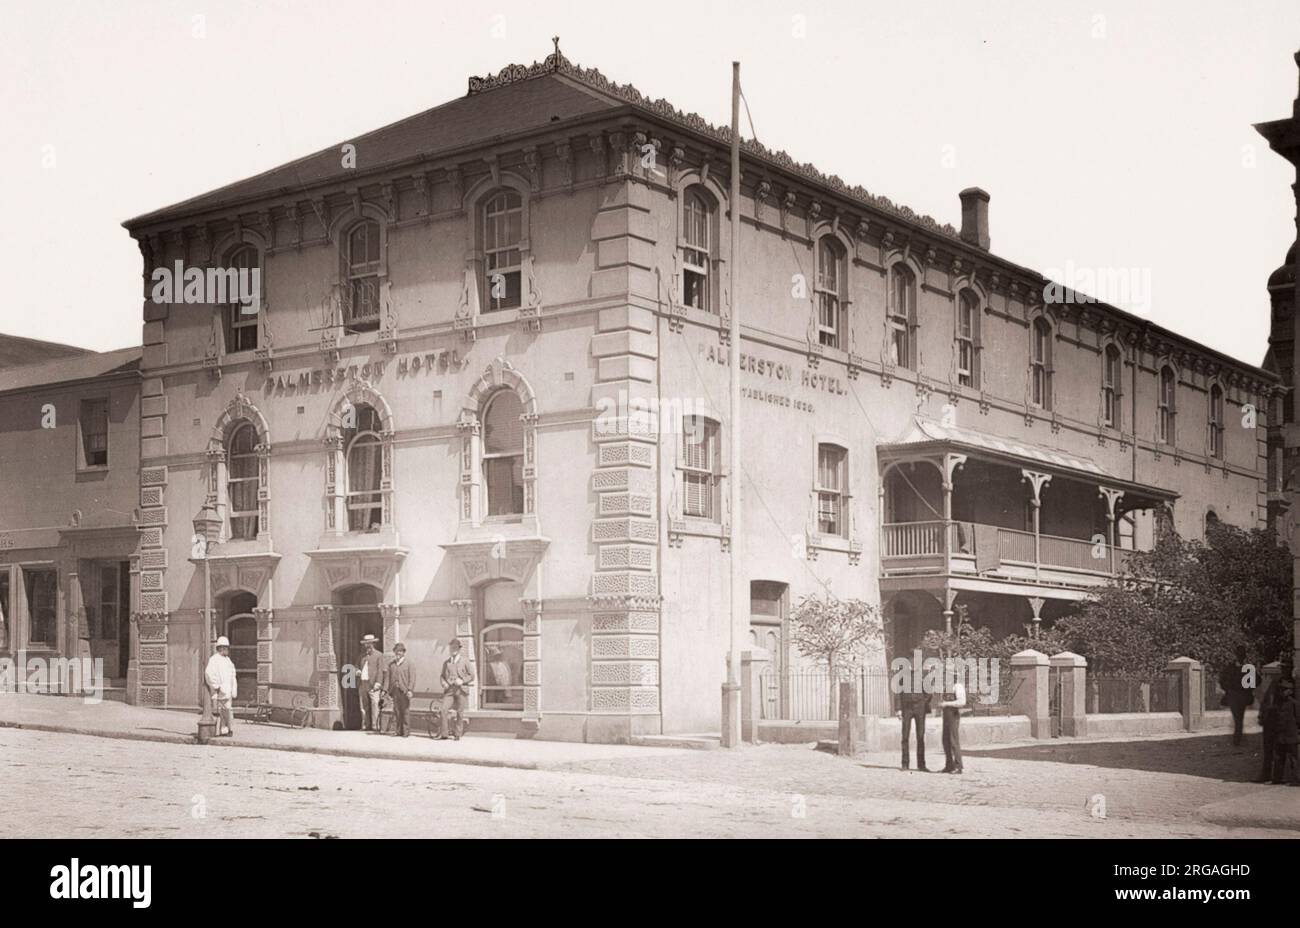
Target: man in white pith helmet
x=223, y=685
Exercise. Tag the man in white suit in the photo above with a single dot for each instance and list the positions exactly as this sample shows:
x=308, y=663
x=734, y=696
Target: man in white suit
x=223, y=685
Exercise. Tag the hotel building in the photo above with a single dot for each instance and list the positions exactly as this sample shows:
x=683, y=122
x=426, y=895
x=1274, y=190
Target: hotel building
x=483, y=395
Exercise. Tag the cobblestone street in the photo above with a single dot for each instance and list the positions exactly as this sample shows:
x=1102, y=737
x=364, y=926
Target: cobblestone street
x=112, y=788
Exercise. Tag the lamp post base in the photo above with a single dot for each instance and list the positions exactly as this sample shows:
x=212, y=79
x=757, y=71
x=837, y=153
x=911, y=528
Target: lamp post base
x=730, y=715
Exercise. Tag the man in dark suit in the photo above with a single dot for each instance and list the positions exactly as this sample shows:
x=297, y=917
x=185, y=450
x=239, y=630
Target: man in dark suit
x=401, y=687
x=1236, y=695
x=370, y=682
x=457, y=675
x=913, y=707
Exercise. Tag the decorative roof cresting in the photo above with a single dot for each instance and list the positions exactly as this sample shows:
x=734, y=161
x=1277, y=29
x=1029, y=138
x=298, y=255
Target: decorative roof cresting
x=556, y=63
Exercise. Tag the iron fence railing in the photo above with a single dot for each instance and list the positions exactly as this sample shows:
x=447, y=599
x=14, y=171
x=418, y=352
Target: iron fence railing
x=1109, y=693
x=808, y=695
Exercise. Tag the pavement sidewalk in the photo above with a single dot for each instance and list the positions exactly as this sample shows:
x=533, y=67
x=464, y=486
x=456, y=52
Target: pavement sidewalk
x=110, y=719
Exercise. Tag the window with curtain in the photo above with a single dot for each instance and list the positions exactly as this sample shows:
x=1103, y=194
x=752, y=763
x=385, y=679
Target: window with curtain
x=361, y=313
x=364, y=460
x=242, y=481
x=1112, y=376
x=1040, y=363
x=240, y=320
x=700, y=468
x=832, y=490
x=1216, y=421
x=697, y=249
x=902, y=309
x=1165, y=425
x=503, y=261
x=503, y=454
x=830, y=292
x=94, y=433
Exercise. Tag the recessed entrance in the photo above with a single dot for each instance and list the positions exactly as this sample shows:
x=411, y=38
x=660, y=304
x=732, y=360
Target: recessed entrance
x=357, y=616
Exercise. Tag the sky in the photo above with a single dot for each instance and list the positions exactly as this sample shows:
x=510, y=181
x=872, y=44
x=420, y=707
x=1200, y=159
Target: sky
x=1115, y=139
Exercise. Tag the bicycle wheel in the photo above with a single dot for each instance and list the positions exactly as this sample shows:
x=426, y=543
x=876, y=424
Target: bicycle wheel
x=434, y=718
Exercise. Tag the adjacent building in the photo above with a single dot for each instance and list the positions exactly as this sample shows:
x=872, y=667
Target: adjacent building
x=1283, y=137
x=69, y=465
x=483, y=395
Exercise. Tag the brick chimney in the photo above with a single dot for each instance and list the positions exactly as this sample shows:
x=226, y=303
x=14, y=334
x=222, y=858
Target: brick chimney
x=975, y=217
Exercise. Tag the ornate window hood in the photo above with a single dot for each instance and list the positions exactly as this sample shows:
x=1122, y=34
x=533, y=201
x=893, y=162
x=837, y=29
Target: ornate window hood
x=249, y=571
x=372, y=565
x=499, y=557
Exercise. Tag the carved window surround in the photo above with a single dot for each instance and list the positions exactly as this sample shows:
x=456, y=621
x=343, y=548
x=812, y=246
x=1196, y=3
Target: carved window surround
x=500, y=374
x=240, y=409
x=470, y=312
x=332, y=334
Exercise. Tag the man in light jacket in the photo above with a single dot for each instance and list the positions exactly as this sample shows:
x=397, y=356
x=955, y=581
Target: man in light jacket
x=952, y=704
x=456, y=676
x=370, y=682
x=222, y=685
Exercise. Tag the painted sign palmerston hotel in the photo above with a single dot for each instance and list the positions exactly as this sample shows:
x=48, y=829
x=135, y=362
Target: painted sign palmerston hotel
x=781, y=373
x=429, y=362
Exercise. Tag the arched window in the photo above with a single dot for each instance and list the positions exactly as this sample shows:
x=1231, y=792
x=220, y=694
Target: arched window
x=242, y=481
x=502, y=647
x=361, y=294
x=697, y=249
x=1040, y=364
x=363, y=454
x=1166, y=411
x=1216, y=421
x=830, y=292
x=503, y=454
x=1112, y=378
x=239, y=320
x=503, y=261
x=1211, y=523
x=902, y=315
x=968, y=321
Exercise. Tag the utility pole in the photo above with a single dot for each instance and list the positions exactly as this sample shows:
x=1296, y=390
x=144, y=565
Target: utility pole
x=739, y=584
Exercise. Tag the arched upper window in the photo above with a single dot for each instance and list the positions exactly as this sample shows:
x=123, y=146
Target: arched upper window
x=830, y=293
x=502, y=258
x=968, y=322
x=503, y=454
x=902, y=316
x=1040, y=364
x=239, y=320
x=1215, y=425
x=242, y=481
x=697, y=249
x=362, y=261
x=1166, y=411
x=1112, y=381
x=363, y=456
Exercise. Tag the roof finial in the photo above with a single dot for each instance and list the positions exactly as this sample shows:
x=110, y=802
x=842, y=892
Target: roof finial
x=556, y=40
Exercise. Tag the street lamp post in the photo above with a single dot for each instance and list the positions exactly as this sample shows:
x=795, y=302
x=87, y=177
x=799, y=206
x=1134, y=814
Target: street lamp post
x=207, y=530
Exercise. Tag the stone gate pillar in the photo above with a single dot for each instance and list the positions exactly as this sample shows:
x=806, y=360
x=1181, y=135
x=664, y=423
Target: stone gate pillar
x=1029, y=671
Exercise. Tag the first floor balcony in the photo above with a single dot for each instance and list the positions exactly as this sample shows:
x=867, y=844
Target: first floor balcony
x=963, y=505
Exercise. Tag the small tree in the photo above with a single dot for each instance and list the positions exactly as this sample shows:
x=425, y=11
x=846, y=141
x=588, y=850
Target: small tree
x=836, y=632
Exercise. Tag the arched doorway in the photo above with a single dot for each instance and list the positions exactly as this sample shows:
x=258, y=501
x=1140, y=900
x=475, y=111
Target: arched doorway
x=240, y=627
x=357, y=609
